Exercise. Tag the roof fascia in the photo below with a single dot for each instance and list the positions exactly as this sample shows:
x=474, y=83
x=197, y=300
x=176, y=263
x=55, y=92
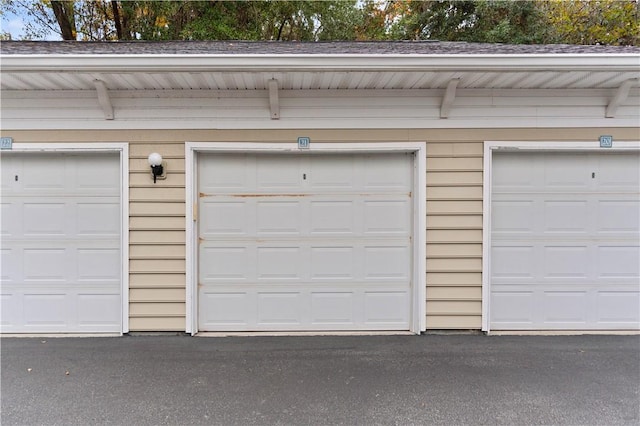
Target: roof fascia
x=159, y=63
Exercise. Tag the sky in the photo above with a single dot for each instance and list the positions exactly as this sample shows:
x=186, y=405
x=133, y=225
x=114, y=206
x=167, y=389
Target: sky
x=14, y=25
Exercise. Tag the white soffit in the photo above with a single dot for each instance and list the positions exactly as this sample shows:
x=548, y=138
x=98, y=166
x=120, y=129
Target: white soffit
x=316, y=72
x=304, y=80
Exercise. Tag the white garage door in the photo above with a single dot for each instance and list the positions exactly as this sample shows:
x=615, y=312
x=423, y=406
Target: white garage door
x=305, y=242
x=565, y=250
x=61, y=262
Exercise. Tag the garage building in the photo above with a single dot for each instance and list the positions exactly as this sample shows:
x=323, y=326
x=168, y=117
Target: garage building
x=319, y=187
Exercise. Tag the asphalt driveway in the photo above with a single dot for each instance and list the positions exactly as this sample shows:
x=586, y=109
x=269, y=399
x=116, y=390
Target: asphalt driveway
x=350, y=380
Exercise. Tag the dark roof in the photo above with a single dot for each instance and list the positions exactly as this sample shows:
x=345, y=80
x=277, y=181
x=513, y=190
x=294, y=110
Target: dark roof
x=299, y=48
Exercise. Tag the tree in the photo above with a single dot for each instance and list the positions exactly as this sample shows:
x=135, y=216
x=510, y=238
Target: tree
x=64, y=13
x=433, y=20
x=474, y=21
x=614, y=22
x=491, y=21
x=519, y=22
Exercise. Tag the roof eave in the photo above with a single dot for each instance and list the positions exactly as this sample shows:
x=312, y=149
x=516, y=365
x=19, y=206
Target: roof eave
x=395, y=62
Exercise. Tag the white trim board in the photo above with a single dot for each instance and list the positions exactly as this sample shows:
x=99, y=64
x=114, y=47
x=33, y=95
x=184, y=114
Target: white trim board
x=317, y=62
x=523, y=146
x=317, y=109
x=418, y=316
x=123, y=150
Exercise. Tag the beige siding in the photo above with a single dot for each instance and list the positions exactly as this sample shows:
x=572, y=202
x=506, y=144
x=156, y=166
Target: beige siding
x=153, y=280
x=452, y=278
x=449, y=250
x=454, y=234
x=173, y=251
x=146, y=209
x=155, y=222
x=448, y=292
x=150, y=309
x=458, y=222
x=155, y=322
x=454, y=210
x=454, y=321
x=157, y=240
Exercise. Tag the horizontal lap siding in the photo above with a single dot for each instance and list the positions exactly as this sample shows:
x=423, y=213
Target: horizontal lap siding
x=454, y=210
x=157, y=278
x=454, y=235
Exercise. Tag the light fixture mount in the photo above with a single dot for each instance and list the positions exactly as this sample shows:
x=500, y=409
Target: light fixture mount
x=158, y=166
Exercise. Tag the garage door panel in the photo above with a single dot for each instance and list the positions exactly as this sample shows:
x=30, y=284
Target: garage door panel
x=221, y=309
x=61, y=243
x=564, y=307
x=9, y=262
x=278, y=217
x=339, y=175
x=99, y=310
x=565, y=258
x=564, y=172
x=11, y=315
x=43, y=310
x=618, y=262
x=45, y=264
x=550, y=308
x=332, y=217
x=306, y=243
x=333, y=263
x=618, y=307
x=7, y=175
x=42, y=219
x=387, y=217
x=43, y=174
x=223, y=217
x=613, y=171
x=100, y=173
x=98, y=218
x=98, y=264
x=511, y=307
x=279, y=263
x=280, y=308
x=509, y=262
x=9, y=215
x=566, y=262
x=513, y=216
x=329, y=308
x=619, y=216
x=510, y=175
x=387, y=262
x=304, y=261
x=278, y=172
x=46, y=310
x=294, y=308
x=387, y=172
x=566, y=216
x=226, y=263
x=224, y=173
x=386, y=307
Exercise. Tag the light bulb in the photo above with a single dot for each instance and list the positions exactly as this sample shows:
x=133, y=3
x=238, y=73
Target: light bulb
x=155, y=159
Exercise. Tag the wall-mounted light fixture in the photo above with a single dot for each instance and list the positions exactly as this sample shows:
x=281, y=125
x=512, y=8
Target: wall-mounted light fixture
x=158, y=167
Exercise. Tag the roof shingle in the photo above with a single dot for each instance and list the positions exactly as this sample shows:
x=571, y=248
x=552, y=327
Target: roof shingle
x=299, y=48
